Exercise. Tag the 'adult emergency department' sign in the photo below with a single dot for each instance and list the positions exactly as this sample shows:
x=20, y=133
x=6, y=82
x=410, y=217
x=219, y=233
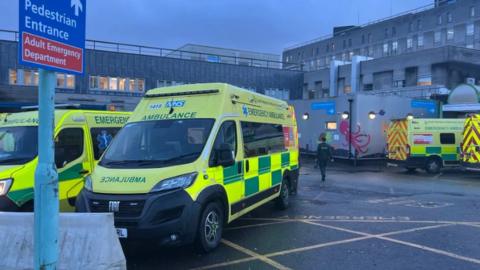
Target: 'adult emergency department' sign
x=52, y=34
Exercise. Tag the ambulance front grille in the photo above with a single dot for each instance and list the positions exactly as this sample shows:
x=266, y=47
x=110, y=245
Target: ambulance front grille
x=125, y=208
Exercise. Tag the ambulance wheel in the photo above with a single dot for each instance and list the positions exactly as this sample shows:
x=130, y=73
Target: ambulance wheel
x=210, y=228
x=433, y=166
x=283, y=201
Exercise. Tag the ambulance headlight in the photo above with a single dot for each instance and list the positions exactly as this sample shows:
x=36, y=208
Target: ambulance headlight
x=88, y=183
x=181, y=181
x=5, y=185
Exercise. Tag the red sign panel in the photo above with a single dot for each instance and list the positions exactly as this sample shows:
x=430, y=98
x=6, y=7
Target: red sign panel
x=47, y=52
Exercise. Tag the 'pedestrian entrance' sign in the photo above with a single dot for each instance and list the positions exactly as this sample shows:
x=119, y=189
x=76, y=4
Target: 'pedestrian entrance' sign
x=52, y=34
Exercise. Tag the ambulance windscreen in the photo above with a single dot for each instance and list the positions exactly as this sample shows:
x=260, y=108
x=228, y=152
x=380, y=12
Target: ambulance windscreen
x=18, y=145
x=154, y=144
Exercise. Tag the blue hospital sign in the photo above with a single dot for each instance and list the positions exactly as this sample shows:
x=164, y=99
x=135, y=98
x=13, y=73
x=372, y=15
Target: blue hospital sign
x=52, y=34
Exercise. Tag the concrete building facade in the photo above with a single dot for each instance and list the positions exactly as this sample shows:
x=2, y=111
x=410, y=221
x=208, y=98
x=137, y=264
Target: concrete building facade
x=432, y=47
x=119, y=74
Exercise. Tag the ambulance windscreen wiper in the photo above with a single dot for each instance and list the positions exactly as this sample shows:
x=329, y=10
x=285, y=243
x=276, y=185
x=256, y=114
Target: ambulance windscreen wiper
x=138, y=162
x=193, y=155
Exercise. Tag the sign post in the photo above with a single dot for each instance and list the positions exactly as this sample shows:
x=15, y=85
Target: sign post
x=52, y=38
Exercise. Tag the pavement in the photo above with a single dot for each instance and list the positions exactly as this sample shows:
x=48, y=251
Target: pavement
x=358, y=219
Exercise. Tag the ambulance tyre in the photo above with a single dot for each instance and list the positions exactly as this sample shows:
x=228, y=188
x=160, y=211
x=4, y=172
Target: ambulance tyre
x=433, y=165
x=210, y=228
x=283, y=201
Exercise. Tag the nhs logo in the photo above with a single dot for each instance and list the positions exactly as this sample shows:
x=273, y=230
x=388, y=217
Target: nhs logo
x=175, y=103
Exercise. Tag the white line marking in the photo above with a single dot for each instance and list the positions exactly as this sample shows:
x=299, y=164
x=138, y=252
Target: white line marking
x=257, y=225
x=422, y=247
x=401, y=202
x=434, y=250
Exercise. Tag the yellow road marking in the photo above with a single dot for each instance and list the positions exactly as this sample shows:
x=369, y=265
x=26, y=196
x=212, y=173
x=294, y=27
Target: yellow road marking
x=364, y=236
x=255, y=255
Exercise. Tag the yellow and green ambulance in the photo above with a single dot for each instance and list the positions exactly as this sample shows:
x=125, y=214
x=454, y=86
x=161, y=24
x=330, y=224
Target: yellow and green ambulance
x=193, y=158
x=428, y=144
x=80, y=139
x=471, y=143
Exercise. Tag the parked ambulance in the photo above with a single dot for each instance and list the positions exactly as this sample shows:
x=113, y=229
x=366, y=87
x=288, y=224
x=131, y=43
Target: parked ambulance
x=429, y=144
x=193, y=158
x=471, y=143
x=80, y=139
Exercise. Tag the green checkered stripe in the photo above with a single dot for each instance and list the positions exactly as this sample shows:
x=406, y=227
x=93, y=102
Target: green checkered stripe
x=252, y=185
x=443, y=153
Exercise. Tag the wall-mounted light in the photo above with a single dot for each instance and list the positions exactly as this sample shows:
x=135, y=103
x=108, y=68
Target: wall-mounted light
x=409, y=116
x=345, y=115
x=305, y=116
x=372, y=115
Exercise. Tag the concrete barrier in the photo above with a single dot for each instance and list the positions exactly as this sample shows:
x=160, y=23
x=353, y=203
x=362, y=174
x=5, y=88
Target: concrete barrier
x=86, y=241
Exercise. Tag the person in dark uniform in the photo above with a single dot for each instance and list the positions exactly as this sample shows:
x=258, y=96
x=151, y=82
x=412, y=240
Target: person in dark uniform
x=324, y=154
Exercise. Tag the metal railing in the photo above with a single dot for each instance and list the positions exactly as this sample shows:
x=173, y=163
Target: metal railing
x=410, y=91
x=324, y=37
x=100, y=45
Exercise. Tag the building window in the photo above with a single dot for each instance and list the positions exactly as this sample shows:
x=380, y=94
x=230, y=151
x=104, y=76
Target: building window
x=409, y=43
x=386, y=32
x=344, y=43
x=122, y=85
x=394, y=30
x=363, y=39
x=437, y=36
x=439, y=19
x=472, y=11
x=112, y=83
x=116, y=84
x=331, y=125
x=93, y=82
x=394, y=47
x=419, y=24
x=449, y=17
x=12, y=76
x=103, y=83
x=420, y=41
x=27, y=77
x=385, y=48
x=349, y=42
x=70, y=82
x=61, y=80
x=470, y=29
x=450, y=33
x=369, y=37
x=410, y=27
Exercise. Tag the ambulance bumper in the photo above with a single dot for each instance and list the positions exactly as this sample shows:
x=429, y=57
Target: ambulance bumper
x=411, y=162
x=7, y=205
x=471, y=166
x=168, y=218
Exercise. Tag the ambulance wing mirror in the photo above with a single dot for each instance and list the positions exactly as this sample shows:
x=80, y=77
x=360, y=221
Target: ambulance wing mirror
x=224, y=155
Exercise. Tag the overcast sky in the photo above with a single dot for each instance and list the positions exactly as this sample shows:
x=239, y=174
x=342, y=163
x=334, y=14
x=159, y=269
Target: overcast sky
x=258, y=25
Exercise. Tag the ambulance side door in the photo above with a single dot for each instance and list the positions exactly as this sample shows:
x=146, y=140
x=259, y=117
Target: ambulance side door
x=231, y=177
x=72, y=161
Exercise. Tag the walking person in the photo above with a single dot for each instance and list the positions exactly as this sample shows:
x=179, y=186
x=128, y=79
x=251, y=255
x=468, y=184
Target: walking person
x=324, y=154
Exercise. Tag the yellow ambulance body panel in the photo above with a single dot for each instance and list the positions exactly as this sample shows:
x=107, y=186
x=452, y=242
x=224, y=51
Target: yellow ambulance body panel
x=187, y=146
x=428, y=144
x=80, y=138
x=471, y=143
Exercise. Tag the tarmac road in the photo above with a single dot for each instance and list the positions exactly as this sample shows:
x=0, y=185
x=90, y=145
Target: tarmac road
x=359, y=219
